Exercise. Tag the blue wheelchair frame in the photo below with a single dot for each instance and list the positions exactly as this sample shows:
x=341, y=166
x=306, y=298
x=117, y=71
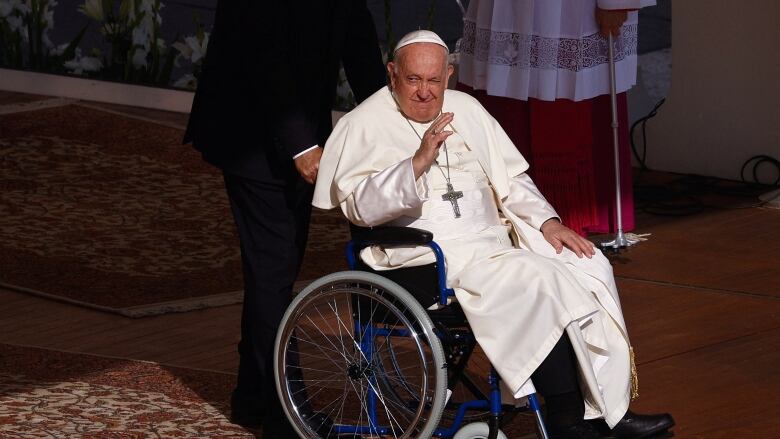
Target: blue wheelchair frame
x=493, y=404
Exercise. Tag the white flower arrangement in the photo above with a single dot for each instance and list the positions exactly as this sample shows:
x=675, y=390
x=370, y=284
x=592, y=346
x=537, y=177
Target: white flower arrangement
x=13, y=12
x=8, y=7
x=136, y=52
x=26, y=22
x=150, y=20
x=193, y=50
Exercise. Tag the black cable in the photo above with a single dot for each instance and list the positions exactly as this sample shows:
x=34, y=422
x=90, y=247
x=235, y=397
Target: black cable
x=665, y=200
x=759, y=159
x=685, y=195
x=643, y=120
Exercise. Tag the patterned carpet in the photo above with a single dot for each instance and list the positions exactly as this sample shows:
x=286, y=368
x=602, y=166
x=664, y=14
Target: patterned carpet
x=113, y=212
x=52, y=394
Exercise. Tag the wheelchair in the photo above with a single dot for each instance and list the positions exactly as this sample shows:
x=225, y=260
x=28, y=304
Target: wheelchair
x=357, y=355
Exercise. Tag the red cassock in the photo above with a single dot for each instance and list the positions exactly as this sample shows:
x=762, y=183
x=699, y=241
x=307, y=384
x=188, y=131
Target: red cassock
x=569, y=147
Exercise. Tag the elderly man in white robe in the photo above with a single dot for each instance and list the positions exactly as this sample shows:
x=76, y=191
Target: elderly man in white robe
x=540, y=299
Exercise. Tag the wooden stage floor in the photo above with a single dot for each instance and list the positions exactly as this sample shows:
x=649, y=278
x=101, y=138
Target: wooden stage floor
x=701, y=298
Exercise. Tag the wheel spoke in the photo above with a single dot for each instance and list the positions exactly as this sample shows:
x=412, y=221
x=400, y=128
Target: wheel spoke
x=336, y=357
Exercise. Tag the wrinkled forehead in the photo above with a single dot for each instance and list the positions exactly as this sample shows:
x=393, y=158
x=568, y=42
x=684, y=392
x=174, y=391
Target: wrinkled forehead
x=420, y=54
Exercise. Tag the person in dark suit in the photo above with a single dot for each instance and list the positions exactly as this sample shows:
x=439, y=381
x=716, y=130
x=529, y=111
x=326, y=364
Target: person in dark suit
x=261, y=113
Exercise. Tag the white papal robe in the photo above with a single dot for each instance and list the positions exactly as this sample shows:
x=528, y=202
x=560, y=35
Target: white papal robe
x=517, y=293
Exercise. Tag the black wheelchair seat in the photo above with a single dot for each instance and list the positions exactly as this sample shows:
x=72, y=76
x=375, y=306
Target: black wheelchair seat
x=422, y=282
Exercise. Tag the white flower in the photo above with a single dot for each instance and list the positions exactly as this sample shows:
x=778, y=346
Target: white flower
x=141, y=34
x=81, y=64
x=93, y=9
x=48, y=20
x=59, y=50
x=151, y=10
x=197, y=49
x=16, y=9
x=17, y=25
x=24, y=7
x=139, y=58
x=184, y=49
x=192, y=49
x=91, y=64
x=48, y=14
x=74, y=66
x=186, y=81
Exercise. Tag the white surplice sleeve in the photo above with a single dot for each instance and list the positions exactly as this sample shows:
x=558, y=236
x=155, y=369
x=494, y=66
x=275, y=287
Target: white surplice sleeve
x=386, y=195
x=527, y=202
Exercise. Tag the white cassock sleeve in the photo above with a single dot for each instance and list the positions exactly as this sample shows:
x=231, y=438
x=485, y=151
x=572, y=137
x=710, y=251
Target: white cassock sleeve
x=527, y=202
x=386, y=195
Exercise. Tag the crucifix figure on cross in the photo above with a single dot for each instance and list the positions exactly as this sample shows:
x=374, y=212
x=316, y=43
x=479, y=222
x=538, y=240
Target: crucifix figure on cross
x=452, y=196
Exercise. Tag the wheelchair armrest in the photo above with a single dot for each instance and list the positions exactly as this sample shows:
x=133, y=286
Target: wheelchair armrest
x=390, y=236
x=397, y=236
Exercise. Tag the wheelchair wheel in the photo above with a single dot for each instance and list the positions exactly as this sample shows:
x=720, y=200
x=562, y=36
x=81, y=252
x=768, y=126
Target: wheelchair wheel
x=477, y=430
x=356, y=354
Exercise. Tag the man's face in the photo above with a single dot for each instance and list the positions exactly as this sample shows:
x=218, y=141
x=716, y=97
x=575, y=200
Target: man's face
x=419, y=76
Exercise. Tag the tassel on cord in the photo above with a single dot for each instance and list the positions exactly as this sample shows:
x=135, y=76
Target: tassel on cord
x=634, y=376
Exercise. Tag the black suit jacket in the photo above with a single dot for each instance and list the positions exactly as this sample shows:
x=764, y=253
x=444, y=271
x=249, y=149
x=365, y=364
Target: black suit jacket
x=269, y=80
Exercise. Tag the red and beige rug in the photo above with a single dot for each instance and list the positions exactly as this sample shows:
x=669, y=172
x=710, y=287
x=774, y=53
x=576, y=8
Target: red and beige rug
x=54, y=394
x=113, y=212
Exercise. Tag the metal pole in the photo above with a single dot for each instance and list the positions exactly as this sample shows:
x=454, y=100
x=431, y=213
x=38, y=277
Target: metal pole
x=620, y=240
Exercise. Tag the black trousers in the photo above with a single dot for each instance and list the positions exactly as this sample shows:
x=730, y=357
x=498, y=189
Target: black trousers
x=557, y=380
x=272, y=218
x=558, y=373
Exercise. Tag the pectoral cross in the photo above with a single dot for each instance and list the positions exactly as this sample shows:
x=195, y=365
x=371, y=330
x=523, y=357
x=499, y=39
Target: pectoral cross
x=452, y=196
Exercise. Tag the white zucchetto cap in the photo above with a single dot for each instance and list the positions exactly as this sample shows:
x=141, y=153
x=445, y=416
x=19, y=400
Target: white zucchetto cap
x=420, y=36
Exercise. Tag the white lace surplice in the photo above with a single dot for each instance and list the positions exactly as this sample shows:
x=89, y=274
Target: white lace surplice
x=545, y=49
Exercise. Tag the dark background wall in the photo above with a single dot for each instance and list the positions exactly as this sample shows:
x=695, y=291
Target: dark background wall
x=179, y=20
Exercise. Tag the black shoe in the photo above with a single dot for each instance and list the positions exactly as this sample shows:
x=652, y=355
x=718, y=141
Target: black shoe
x=580, y=430
x=635, y=426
